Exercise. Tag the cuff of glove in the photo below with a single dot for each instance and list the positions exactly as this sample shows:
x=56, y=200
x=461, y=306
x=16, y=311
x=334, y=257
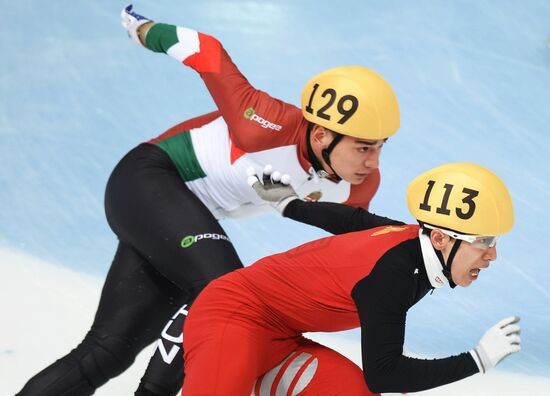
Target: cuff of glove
x=141, y=33
x=281, y=205
x=478, y=355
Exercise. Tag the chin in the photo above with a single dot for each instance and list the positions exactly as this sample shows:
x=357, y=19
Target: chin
x=465, y=283
x=356, y=179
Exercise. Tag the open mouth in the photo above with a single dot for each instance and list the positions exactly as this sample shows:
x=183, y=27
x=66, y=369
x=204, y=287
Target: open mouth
x=474, y=273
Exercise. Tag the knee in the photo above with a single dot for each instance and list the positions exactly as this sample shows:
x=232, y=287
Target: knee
x=292, y=375
x=84, y=369
x=313, y=369
x=107, y=357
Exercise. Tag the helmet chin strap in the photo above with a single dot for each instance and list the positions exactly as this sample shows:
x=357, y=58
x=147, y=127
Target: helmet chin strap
x=325, y=152
x=447, y=266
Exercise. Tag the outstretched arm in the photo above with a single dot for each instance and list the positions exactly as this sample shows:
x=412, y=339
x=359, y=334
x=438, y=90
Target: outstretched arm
x=256, y=121
x=332, y=217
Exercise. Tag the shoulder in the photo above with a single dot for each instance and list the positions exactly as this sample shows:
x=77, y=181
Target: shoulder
x=187, y=125
x=361, y=194
x=391, y=284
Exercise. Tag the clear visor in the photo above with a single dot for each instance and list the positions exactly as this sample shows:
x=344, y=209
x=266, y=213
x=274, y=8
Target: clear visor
x=477, y=241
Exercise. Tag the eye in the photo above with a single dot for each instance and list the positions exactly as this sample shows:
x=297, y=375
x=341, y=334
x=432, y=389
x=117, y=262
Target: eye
x=486, y=241
x=363, y=149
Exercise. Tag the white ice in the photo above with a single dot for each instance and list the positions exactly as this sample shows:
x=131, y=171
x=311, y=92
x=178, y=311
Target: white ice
x=54, y=309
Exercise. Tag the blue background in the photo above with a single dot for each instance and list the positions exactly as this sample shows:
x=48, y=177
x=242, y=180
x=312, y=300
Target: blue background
x=472, y=79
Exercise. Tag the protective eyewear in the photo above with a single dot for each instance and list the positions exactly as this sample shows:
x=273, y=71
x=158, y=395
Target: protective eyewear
x=477, y=241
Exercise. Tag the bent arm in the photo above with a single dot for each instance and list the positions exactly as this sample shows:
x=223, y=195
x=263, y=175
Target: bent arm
x=382, y=300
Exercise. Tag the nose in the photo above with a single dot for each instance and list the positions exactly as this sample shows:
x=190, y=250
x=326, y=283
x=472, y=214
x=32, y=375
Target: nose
x=491, y=254
x=373, y=158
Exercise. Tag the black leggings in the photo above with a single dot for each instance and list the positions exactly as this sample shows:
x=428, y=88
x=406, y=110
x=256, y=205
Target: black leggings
x=170, y=247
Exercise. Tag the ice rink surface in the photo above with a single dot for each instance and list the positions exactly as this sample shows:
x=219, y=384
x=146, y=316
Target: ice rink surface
x=472, y=79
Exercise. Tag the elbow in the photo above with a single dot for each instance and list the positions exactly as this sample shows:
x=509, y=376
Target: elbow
x=242, y=143
x=379, y=380
x=374, y=383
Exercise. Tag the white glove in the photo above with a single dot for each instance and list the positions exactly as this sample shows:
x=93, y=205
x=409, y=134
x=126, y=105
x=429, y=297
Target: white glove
x=498, y=342
x=274, y=188
x=132, y=21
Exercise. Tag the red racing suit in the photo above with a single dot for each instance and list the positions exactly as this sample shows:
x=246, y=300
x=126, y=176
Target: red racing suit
x=247, y=321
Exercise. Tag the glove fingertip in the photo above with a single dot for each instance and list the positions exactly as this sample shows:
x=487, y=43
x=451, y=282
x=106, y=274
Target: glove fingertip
x=250, y=171
x=276, y=176
x=507, y=321
x=513, y=329
x=285, y=179
x=251, y=180
x=268, y=169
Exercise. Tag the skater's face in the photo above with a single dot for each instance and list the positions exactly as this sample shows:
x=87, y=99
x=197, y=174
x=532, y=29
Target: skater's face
x=352, y=159
x=469, y=260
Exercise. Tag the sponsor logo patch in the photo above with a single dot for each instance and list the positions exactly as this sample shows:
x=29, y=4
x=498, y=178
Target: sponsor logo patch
x=168, y=345
x=251, y=115
x=189, y=240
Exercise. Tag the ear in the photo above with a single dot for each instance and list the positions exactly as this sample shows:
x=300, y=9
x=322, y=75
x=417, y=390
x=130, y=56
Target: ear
x=439, y=240
x=321, y=136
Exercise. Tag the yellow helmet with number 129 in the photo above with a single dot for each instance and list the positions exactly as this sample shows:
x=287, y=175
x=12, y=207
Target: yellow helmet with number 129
x=353, y=101
x=463, y=197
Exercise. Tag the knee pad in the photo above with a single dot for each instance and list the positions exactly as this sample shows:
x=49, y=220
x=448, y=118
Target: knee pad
x=106, y=357
x=84, y=369
x=58, y=379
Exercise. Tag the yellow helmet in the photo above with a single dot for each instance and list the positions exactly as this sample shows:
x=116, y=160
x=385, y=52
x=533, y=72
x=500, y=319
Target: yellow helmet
x=463, y=197
x=353, y=101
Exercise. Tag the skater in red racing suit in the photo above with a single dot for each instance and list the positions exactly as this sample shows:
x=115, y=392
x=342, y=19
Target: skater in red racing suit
x=252, y=319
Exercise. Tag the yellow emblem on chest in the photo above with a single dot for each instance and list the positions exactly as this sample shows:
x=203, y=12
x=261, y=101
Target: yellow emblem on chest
x=388, y=229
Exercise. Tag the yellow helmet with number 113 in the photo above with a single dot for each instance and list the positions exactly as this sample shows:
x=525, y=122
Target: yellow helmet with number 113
x=353, y=101
x=463, y=197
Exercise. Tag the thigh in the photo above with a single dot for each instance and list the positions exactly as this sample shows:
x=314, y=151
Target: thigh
x=313, y=370
x=150, y=207
x=225, y=365
x=135, y=300
x=225, y=345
